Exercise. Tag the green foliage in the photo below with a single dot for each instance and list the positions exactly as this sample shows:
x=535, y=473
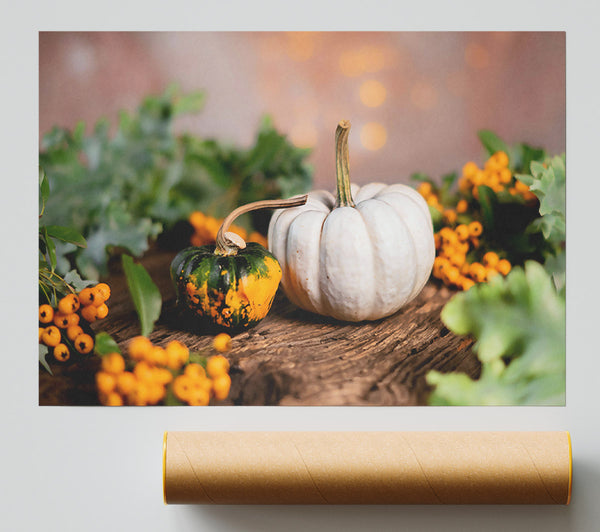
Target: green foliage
x=144, y=293
x=520, y=155
x=548, y=182
x=519, y=325
x=104, y=344
x=43, y=352
x=123, y=190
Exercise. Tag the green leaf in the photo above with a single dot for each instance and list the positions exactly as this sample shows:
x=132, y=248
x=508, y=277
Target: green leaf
x=51, y=249
x=519, y=325
x=145, y=294
x=104, y=344
x=491, y=142
x=42, y=353
x=488, y=202
x=44, y=190
x=73, y=279
x=66, y=234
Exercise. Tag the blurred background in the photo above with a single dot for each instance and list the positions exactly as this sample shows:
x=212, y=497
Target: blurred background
x=416, y=100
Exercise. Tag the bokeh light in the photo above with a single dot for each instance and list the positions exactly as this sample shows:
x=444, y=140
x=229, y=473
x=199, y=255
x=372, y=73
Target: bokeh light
x=372, y=93
x=373, y=136
x=477, y=56
x=423, y=95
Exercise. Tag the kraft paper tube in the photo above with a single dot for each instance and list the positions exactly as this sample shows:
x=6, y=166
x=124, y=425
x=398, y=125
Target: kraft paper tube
x=367, y=467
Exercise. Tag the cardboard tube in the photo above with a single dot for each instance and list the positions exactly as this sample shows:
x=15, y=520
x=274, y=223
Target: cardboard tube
x=367, y=467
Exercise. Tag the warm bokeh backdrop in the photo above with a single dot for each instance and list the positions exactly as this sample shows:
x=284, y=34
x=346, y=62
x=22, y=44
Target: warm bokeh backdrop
x=416, y=100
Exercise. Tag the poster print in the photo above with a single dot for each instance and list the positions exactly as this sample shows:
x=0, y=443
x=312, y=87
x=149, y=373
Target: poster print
x=430, y=271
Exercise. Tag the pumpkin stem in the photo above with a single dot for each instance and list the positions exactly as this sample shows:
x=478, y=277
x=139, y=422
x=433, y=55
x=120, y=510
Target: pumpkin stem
x=342, y=165
x=229, y=243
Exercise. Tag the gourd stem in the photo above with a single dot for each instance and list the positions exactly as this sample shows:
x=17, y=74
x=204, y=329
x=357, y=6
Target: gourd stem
x=342, y=165
x=231, y=243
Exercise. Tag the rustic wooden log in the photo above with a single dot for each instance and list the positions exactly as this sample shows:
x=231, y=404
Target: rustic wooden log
x=293, y=357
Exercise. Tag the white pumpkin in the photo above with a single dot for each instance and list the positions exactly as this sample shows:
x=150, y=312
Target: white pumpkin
x=354, y=259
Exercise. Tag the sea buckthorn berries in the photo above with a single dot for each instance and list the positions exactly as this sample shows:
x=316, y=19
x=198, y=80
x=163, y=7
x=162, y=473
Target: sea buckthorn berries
x=462, y=232
x=477, y=271
x=490, y=259
x=198, y=397
x=68, y=304
x=221, y=386
x=139, y=395
x=105, y=382
x=462, y=206
x=46, y=314
x=51, y=336
x=457, y=259
x=475, y=228
x=73, y=318
x=217, y=365
x=503, y=267
x=222, y=343
x=143, y=371
x=162, y=376
x=113, y=363
x=84, y=344
x=451, y=274
x=470, y=169
x=97, y=296
x=125, y=382
x=101, y=311
x=155, y=393
x=86, y=297
x=195, y=371
x=462, y=248
x=61, y=320
x=73, y=331
x=182, y=386
x=88, y=313
x=113, y=399
x=177, y=354
x=157, y=356
x=104, y=290
x=61, y=353
x=139, y=347
x=439, y=264
x=425, y=189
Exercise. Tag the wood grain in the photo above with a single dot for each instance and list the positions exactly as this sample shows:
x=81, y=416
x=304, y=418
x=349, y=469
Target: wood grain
x=293, y=357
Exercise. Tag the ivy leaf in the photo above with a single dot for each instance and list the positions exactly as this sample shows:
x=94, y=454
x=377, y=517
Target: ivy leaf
x=105, y=344
x=519, y=325
x=145, y=294
x=66, y=234
x=43, y=352
x=491, y=142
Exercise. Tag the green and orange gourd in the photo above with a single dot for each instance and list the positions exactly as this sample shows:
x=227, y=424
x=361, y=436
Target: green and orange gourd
x=230, y=284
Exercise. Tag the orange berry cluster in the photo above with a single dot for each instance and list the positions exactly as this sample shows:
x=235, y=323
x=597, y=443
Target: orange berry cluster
x=207, y=227
x=154, y=369
x=451, y=264
x=60, y=327
x=496, y=175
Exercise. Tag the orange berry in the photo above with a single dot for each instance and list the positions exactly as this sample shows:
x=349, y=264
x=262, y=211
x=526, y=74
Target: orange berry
x=73, y=319
x=450, y=216
x=462, y=248
x=466, y=283
x=501, y=158
x=197, y=219
x=478, y=178
x=449, y=237
x=156, y=392
x=126, y=381
x=104, y=290
x=138, y=396
x=217, y=365
x=61, y=320
x=139, y=347
x=68, y=304
x=157, y=356
x=198, y=397
x=98, y=296
x=505, y=176
x=490, y=259
x=105, y=382
x=433, y=201
x=73, y=331
x=475, y=228
x=162, y=376
x=89, y=313
x=61, y=353
x=177, y=354
x=470, y=169
x=113, y=399
x=462, y=206
x=84, y=343
x=490, y=272
x=40, y=332
x=51, y=336
x=503, y=267
x=521, y=187
x=222, y=343
x=475, y=192
x=451, y=274
x=477, y=272
x=113, y=363
x=221, y=386
x=46, y=314
x=86, y=297
x=462, y=232
x=513, y=191
x=457, y=259
x=492, y=180
x=437, y=240
x=182, y=386
x=439, y=264
x=425, y=189
x=464, y=269
x=101, y=311
x=143, y=371
x=194, y=371
x=474, y=242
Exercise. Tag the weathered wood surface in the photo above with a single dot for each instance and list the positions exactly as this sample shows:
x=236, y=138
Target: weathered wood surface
x=293, y=357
